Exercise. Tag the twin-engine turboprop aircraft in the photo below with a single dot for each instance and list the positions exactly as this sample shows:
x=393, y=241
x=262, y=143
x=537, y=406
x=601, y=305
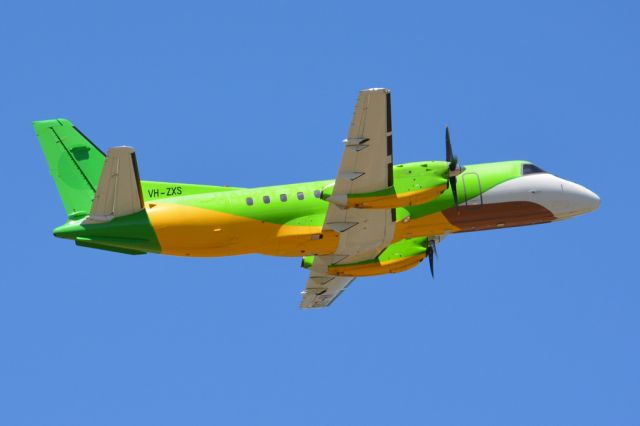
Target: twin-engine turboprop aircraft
x=374, y=218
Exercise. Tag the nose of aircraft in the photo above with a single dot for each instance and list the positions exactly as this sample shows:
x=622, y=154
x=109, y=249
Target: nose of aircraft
x=579, y=199
x=563, y=198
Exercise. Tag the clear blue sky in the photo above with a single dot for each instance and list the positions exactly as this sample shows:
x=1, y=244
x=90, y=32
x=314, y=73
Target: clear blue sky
x=526, y=326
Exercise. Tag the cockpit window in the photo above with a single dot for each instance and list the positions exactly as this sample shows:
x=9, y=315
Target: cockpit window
x=529, y=169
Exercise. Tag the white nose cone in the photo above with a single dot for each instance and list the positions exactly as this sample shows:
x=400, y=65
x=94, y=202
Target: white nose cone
x=543, y=189
x=580, y=200
x=563, y=198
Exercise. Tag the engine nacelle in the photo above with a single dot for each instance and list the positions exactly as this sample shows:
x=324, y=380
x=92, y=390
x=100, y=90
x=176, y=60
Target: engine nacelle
x=398, y=257
x=413, y=184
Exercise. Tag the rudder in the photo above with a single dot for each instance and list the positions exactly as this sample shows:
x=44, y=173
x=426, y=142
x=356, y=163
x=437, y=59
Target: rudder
x=74, y=162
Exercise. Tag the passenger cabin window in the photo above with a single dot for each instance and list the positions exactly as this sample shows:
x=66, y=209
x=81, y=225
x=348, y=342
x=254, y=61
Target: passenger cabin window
x=283, y=197
x=266, y=199
x=249, y=201
x=317, y=193
x=300, y=195
x=529, y=169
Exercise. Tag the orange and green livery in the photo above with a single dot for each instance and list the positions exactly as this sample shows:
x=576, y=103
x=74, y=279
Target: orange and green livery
x=375, y=217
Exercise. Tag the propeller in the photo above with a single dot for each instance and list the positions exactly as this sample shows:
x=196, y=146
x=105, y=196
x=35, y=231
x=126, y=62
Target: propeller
x=454, y=168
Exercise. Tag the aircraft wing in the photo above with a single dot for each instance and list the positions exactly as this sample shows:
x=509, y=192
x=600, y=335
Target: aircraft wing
x=366, y=166
x=323, y=289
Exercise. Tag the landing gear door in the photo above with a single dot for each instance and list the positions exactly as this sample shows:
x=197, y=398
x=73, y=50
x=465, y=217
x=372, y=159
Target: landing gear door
x=472, y=189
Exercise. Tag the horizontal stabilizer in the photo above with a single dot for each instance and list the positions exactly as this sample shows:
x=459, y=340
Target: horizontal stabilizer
x=119, y=192
x=88, y=242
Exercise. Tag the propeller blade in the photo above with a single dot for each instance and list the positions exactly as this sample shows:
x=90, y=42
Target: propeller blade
x=453, y=167
x=449, y=156
x=430, y=255
x=454, y=189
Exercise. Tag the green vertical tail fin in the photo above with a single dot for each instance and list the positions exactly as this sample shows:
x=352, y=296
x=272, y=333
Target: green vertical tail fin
x=74, y=162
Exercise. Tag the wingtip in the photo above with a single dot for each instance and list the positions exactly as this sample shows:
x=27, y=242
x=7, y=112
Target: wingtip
x=377, y=89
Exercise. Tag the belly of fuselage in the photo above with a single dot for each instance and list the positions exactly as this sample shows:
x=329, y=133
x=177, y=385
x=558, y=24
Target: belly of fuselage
x=191, y=231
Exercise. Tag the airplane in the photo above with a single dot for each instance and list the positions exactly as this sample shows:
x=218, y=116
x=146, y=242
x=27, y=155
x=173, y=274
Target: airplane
x=374, y=218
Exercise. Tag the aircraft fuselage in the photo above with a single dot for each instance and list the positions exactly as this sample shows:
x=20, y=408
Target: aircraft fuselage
x=287, y=220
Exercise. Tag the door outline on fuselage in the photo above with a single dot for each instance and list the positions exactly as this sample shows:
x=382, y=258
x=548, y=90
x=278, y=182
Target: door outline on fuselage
x=467, y=177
